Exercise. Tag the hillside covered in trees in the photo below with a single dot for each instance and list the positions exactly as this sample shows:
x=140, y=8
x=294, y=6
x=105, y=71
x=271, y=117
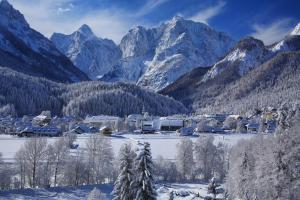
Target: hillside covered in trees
x=273, y=83
x=21, y=94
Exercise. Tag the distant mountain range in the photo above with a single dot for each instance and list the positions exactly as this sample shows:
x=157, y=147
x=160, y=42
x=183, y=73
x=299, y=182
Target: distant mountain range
x=152, y=58
x=206, y=70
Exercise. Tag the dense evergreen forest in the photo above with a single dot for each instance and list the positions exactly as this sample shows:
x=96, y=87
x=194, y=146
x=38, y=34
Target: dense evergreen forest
x=21, y=94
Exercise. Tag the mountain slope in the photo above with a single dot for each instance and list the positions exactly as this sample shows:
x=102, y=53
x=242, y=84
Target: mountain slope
x=26, y=50
x=250, y=76
x=92, y=55
x=273, y=83
x=247, y=54
x=185, y=85
x=158, y=56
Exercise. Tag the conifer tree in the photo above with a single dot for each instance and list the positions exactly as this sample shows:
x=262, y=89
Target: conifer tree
x=123, y=188
x=144, y=183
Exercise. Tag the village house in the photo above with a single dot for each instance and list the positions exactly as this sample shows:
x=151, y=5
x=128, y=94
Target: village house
x=50, y=131
x=80, y=129
x=170, y=124
x=161, y=124
x=43, y=119
x=102, y=120
x=134, y=119
x=105, y=131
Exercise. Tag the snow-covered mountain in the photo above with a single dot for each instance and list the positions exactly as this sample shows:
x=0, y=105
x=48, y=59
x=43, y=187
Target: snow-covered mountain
x=26, y=50
x=248, y=54
x=290, y=43
x=249, y=76
x=138, y=49
x=92, y=55
x=296, y=30
x=182, y=46
x=158, y=56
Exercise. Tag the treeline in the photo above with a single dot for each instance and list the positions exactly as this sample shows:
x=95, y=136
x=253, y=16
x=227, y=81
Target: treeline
x=198, y=161
x=22, y=94
x=271, y=84
x=267, y=168
x=41, y=164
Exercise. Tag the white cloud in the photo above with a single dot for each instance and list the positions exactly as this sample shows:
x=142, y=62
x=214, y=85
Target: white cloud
x=206, y=14
x=270, y=33
x=149, y=6
x=107, y=23
x=62, y=10
x=61, y=16
x=50, y=16
x=43, y=15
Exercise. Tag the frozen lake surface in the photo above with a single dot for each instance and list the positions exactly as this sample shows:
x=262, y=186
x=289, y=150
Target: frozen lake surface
x=161, y=144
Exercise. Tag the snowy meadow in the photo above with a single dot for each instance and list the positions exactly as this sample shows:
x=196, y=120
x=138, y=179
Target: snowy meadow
x=162, y=145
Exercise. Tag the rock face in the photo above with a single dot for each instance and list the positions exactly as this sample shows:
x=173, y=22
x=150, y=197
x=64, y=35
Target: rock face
x=182, y=46
x=26, y=50
x=158, y=56
x=92, y=55
x=250, y=76
x=152, y=58
x=248, y=54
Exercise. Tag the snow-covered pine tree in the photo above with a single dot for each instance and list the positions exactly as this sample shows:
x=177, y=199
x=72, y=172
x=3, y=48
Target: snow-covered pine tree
x=144, y=170
x=123, y=188
x=95, y=194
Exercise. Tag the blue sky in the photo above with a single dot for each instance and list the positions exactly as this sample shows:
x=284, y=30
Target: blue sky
x=265, y=19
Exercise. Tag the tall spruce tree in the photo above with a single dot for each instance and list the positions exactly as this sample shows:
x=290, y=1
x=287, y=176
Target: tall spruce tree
x=144, y=183
x=123, y=188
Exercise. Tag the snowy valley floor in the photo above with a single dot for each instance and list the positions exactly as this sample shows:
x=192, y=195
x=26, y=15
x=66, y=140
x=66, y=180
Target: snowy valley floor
x=161, y=144
x=181, y=191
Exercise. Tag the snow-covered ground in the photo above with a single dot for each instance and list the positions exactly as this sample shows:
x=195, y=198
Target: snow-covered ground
x=58, y=193
x=181, y=191
x=161, y=144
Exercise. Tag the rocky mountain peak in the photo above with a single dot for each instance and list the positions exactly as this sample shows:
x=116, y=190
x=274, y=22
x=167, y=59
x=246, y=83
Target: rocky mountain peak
x=249, y=43
x=92, y=55
x=296, y=30
x=9, y=15
x=137, y=42
x=85, y=30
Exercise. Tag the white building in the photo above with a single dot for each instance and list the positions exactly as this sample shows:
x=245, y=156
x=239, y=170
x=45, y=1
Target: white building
x=148, y=126
x=134, y=119
x=170, y=124
x=102, y=120
x=162, y=124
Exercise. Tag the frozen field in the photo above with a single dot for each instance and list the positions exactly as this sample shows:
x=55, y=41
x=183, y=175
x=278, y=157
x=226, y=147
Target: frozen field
x=161, y=144
x=181, y=191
